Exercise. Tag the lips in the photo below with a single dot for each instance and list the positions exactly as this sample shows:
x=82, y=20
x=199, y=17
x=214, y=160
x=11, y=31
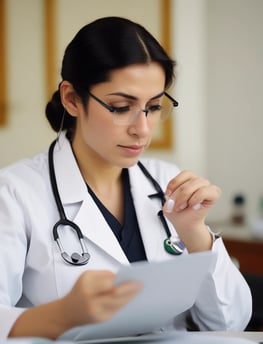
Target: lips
x=132, y=149
x=134, y=145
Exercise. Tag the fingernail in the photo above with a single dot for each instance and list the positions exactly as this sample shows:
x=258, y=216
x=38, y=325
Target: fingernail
x=183, y=206
x=169, y=205
x=197, y=206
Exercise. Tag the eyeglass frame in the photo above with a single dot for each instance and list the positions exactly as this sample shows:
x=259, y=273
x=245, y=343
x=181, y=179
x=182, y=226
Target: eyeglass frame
x=113, y=109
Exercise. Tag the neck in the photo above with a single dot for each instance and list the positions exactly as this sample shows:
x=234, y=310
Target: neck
x=101, y=176
x=104, y=179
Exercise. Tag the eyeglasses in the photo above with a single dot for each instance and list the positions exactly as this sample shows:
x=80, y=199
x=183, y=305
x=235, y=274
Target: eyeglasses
x=128, y=114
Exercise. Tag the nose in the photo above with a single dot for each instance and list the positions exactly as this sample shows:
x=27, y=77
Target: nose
x=140, y=125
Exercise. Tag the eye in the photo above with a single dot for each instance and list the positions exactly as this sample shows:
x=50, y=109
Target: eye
x=121, y=109
x=154, y=108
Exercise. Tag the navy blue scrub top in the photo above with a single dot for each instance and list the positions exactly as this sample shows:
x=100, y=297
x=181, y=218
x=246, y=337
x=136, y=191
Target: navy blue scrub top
x=128, y=234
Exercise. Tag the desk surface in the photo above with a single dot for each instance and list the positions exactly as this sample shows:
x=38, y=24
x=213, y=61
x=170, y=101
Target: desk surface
x=253, y=336
x=165, y=338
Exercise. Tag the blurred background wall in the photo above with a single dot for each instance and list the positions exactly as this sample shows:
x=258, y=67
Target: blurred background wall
x=218, y=47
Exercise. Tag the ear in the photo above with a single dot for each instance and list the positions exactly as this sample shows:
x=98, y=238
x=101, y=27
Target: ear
x=69, y=98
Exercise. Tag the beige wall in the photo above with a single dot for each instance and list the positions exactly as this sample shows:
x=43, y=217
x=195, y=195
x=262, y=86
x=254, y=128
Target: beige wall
x=27, y=131
x=234, y=127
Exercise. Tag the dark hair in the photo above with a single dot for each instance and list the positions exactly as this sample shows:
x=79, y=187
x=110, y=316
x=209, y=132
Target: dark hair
x=97, y=49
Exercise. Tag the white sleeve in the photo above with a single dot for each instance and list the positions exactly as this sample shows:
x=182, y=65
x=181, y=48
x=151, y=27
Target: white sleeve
x=224, y=302
x=13, y=248
x=8, y=316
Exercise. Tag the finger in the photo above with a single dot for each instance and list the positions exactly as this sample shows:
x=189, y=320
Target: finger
x=105, y=305
x=180, y=179
x=184, y=193
x=123, y=294
x=96, y=282
x=127, y=289
x=205, y=196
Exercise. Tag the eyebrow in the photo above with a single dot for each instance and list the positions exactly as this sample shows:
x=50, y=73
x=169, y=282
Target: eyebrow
x=128, y=96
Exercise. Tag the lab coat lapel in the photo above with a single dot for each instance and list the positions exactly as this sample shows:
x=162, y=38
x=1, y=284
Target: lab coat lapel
x=74, y=194
x=147, y=209
x=96, y=229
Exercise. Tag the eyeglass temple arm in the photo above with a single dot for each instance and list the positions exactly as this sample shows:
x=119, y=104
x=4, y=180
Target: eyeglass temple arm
x=175, y=102
x=107, y=106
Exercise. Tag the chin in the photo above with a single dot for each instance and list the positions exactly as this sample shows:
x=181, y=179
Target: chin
x=126, y=163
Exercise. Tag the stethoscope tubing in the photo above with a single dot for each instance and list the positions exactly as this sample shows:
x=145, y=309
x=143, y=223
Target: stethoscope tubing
x=170, y=246
x=75, y=258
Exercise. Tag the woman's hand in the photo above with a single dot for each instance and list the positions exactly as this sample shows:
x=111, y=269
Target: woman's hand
x=95, y=297
x=189, y=198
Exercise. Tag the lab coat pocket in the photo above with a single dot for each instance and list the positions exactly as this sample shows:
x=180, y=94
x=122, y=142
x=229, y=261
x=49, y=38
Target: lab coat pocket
x=67, y=274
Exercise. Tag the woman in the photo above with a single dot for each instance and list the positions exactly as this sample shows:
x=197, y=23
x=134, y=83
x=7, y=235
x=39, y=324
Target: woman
x=109, y=103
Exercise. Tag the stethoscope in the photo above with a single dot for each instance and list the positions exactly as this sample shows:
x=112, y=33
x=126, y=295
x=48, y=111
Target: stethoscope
x=170, y=245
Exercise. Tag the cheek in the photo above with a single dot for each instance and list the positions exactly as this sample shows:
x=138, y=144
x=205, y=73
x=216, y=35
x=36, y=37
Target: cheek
x=155, y=128
x=98, y=128
x=155, y=131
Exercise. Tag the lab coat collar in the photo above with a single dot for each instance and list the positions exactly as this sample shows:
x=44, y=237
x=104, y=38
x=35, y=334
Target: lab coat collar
x=71, y=185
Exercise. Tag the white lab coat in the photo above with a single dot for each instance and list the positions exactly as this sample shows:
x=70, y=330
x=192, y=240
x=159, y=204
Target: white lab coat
x=32, y=270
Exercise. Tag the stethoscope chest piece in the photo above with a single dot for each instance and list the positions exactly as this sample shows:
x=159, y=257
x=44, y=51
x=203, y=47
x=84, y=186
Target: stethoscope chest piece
x=175, y=248
x=171, y=246
x=75, y=258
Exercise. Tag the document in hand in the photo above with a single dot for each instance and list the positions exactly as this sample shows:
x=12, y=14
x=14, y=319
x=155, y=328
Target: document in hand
x=170, y=288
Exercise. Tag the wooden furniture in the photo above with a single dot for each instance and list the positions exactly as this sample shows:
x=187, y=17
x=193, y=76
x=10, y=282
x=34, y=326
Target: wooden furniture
x=242, y=246
x=249, y=254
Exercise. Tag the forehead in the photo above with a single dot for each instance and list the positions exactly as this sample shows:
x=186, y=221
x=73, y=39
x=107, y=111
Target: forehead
x=150, y=71
x=135, y=79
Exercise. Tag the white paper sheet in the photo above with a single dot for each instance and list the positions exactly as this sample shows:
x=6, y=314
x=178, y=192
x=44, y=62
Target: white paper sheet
x=170, y=288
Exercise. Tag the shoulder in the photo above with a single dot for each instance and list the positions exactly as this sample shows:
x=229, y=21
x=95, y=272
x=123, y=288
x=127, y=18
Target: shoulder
x=26, y=171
